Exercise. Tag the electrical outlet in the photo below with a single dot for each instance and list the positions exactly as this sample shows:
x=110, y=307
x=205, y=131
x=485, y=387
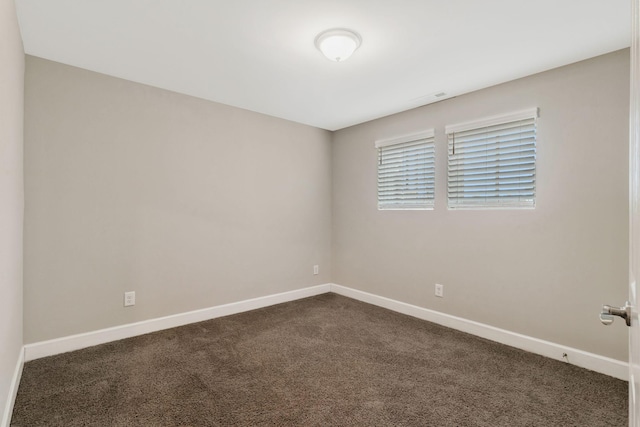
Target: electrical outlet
x=316, y=269
x=129, y=298
x=439, y=290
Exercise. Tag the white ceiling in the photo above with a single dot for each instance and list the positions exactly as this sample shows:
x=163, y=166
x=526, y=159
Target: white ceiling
x=260, y=54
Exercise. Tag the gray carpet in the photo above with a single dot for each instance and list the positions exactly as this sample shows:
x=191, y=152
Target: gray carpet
x=326, y=360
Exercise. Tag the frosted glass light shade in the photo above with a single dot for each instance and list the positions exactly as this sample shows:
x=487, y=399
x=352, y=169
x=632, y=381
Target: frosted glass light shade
x=338, y=44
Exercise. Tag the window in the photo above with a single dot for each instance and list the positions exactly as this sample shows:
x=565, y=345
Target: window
x=406, y=172
x=492, y=162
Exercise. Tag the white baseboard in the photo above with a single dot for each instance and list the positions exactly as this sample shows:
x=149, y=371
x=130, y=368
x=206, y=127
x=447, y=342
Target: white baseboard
x=13, y=391
x=591, y=361
x=88, y=339
x=605, y=365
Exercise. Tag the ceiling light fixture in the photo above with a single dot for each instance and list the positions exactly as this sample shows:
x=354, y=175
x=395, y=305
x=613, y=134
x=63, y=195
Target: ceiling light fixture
x=338, y=44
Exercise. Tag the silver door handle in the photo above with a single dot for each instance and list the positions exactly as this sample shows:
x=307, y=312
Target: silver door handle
x=606, y=317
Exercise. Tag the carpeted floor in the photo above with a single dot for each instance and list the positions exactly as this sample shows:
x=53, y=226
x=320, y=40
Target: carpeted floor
x=326, y=360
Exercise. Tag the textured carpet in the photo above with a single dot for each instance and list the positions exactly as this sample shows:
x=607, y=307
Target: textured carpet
x=326, y=360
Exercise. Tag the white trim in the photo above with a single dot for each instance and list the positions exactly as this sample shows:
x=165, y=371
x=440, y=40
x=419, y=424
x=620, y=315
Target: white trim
x=594, y=362
x=429, y=133
x=13, y=390
x=591, y=361
x=88, y=339
x=531, y=113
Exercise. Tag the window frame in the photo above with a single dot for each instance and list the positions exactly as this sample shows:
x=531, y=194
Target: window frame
x=428, y=137
x=458, y=203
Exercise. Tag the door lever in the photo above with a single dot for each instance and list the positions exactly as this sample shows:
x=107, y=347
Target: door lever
x=606, y=317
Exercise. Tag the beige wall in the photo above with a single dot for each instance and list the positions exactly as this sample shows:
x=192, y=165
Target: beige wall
x=193, y=204
x=189, y=203
x=11, y=195
x=543, y=272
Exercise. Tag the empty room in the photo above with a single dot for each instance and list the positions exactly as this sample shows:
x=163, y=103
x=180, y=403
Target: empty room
x=323, y=212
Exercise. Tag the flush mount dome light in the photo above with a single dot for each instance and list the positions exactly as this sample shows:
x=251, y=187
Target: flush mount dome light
x=338, y=44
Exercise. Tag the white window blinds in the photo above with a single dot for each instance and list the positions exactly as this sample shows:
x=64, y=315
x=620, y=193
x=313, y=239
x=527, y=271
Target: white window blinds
x=492, y=162
x=406, y=172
